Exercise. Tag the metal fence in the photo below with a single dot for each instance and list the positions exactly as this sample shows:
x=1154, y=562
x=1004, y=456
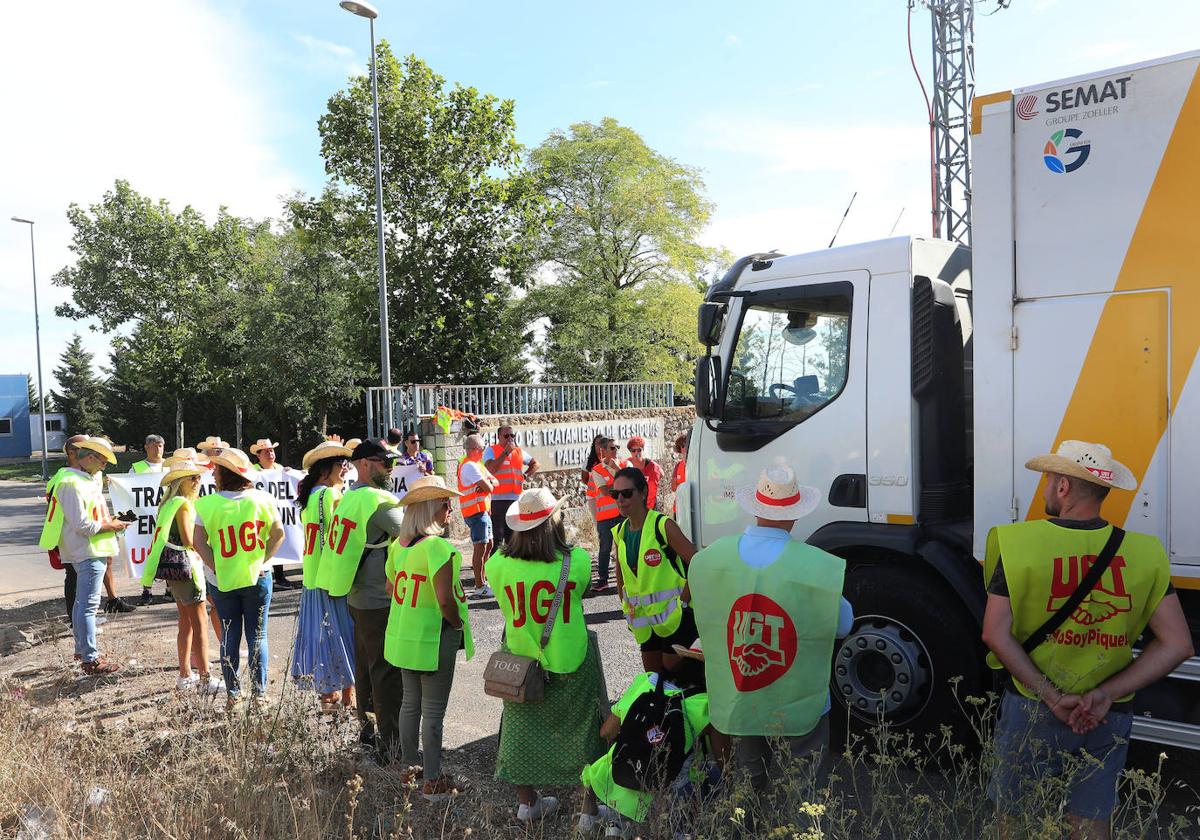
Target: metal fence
x=403, y=405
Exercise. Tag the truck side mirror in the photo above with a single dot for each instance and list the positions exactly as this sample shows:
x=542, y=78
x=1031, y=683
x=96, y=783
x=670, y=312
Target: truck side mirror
x=708, y=323
x=707, y=375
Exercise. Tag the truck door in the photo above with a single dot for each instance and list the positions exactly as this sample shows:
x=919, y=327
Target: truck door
x=794, y=386
x=1095, y=367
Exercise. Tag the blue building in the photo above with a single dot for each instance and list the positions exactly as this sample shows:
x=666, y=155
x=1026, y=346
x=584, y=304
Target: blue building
x=14, y=416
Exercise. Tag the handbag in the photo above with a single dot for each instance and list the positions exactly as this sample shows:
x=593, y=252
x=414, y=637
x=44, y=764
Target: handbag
x=174, y=564
x=521, y=679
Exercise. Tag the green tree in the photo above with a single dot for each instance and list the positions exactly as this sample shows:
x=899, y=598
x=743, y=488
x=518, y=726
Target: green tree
x=134, y=405
x=35, y=405
x=623, y=248
x=458, y=208
x=80, y=393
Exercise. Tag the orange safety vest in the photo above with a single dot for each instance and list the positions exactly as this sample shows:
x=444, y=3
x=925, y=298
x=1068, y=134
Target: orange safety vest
x=606, y=505
x=472, y=501
x=511, y=474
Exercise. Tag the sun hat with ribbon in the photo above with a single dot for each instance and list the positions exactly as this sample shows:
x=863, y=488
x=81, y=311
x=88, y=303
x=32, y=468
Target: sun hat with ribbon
x=187, y=453
x=778, y=495
x=325, y=449
x=212, y=442
x=262, y=443
x=232, y=459
x=181, y=469
x=1091, y=462
x=428, y=488
x=99, y=445
x=533, y=507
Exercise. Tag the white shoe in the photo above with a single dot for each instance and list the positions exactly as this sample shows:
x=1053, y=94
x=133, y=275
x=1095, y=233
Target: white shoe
x=586, y=824
x=211, y=686
x=544, y=807
x=184, y=683
x=100, y=620
x=484, y=591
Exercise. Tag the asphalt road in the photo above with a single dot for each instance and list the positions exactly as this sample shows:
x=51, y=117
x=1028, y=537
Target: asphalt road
x=25, y=575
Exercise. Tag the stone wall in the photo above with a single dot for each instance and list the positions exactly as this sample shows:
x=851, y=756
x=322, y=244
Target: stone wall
x=563, y=481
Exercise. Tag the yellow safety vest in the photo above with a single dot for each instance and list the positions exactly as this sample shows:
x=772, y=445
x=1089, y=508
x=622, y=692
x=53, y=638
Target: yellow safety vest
x=525, y=591
x=347, y=538
x=92, y=497
x=652, y=593
x=163, y=519
x=237, y=532
x=1044, y=563
x=318, y=512
x=414, y=628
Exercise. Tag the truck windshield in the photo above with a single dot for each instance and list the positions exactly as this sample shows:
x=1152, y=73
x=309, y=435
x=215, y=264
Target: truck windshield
x=790, y=361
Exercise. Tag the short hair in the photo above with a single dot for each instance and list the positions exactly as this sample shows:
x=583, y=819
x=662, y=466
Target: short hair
x=394, y=436
x=420, y=519
x=1083, y=489
x=545, y=542
x=500, y=429
x=681, y=440
x=475, y=440
x=227, y=479
x=71, y=444
x=156, y=439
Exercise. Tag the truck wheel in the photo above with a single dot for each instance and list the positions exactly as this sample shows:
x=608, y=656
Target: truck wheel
x=911, y=636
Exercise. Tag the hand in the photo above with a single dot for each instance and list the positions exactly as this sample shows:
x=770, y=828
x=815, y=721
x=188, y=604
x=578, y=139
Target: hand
x=334, y=438
x=1093, y=709
x=116, y=526
x=1062, y=706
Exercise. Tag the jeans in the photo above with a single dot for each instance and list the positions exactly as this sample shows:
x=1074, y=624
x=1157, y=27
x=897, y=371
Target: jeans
x=605, y=531
x=89, y=583
x=426, y=694
x=379, y=684
x=758, y=756
x=69, y=590
x=499, y=521
x=246, y=607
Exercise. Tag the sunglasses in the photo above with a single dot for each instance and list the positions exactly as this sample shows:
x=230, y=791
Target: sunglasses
x=447, y=506
x=613, y=448
x=509, y=435
x=624, y=494
x=414, y=440
x=635, y=451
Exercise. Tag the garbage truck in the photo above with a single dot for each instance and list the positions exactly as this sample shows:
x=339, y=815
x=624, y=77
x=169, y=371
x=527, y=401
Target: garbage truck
x=910, y=379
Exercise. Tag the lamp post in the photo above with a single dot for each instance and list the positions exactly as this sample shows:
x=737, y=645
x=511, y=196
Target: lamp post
x=37, y=333
x=369, y=12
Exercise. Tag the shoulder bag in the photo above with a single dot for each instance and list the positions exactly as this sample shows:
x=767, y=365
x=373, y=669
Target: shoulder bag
x=521, y=679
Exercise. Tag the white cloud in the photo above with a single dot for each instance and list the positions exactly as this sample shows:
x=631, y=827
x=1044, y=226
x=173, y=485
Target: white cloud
x=172, y=101
x=330, y=56
x=733, y=40
x=318, y=45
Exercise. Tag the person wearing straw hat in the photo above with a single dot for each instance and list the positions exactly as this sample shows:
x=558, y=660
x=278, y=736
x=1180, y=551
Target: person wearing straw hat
x=545, y=743
x=189, y=454
x=264, y=450
x=324, y=650
x=173, y=559
x=78, y=524
x=237, y=532
x=769, y=609
x=1070, y=694
x=212, y=445
x=427, y=627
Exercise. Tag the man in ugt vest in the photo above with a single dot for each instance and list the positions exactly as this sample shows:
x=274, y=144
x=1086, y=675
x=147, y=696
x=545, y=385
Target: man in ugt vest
x=353, y=564
x=769, y=609
x=1071, y=694
x=511, y=466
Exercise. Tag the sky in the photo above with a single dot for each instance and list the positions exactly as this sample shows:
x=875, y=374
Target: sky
x=787, y=107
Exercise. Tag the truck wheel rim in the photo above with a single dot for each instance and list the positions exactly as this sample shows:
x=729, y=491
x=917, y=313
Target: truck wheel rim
x=882, y=667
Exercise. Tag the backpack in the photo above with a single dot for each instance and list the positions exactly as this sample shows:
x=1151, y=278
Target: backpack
x=651, y=745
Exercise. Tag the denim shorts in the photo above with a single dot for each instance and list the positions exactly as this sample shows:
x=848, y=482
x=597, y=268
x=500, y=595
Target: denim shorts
x=481, y=527
x=1031, y=744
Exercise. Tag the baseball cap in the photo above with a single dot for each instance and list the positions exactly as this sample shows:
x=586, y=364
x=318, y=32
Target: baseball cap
x=373, y=449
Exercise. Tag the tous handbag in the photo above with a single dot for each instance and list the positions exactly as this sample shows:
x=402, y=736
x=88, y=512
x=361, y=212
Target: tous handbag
x=521, y=679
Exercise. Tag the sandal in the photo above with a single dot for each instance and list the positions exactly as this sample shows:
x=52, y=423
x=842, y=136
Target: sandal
x=412, y=775
x=443, y=787
x=100, y=668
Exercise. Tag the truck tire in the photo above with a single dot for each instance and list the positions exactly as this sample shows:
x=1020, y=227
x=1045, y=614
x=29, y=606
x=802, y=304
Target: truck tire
x=911, y=637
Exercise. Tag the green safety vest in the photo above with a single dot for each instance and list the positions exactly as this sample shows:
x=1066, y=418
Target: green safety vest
x=414, y=627
x=348, y=538
x=92, y=497
x=237, y=534
x=652, y=594
x=525, y=591
x=162, y=532
x=54, y=479
x=143, y=467
x=319, y=508
x=768, y=635
x=1044, y=563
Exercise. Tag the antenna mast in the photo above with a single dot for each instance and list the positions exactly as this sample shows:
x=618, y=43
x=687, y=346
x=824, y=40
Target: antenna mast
x=953, y=89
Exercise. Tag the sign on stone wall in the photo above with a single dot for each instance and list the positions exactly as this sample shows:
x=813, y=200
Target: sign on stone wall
x=564, y=446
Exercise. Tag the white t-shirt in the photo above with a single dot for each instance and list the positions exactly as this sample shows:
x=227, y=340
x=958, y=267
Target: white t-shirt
x=473, y=472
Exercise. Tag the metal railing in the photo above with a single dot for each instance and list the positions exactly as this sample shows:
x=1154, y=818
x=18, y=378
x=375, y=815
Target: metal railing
x=404, y=405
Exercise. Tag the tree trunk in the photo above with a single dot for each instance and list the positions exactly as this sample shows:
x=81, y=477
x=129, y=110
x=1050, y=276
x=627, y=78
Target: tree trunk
x=237, y=424
x=179, y=444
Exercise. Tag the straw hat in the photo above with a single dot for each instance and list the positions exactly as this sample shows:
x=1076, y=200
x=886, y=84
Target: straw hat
x=427, y=488
x=212, y=442
x=1089, y=461
x=324, y=449
x=232, y=459
x=533, y=507
x=98, y=444
x=181, y=469
x=352, y=443
x=778, y=495
x=693, y=652
x=185, y=454
x=262, y=443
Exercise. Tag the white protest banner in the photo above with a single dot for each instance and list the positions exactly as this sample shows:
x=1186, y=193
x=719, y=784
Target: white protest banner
x=141, y=494
x=402, y=476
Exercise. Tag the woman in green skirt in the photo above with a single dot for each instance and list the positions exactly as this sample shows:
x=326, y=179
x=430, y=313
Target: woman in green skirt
x=546, y=742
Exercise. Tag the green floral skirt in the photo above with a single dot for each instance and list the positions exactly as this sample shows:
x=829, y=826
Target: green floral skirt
x=549, y=742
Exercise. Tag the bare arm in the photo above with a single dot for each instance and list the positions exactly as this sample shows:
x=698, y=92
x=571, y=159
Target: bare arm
x=200, y=543
x=443, y=590
x=610, y=728
x=682, y=546
x=274, y=539
x=997, y=635
x=496, y=463
x=532, y=467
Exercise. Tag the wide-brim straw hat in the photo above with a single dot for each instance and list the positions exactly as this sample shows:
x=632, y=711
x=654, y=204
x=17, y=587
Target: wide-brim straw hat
x=1092, y=462
x=428, y=488
x=212, y=442
x=325, y=449
x=693, y=652
x=232, y=459
x=181, y=469
x=100, y=445
x=185, y=454
x=262, y=443
x=778, y=496
x=533, y=507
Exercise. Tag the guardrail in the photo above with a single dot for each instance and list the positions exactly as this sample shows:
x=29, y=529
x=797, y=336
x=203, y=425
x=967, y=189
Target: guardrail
x=404, y=405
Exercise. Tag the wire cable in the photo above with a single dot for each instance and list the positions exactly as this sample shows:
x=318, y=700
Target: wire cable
x=929, y=111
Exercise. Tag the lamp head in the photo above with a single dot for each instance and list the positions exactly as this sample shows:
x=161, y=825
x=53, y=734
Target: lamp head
x=22, y=221
x=357, y=7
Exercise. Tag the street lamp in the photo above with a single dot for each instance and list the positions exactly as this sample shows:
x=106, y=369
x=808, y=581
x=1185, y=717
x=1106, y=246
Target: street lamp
x=37, y=333
x=385, y=356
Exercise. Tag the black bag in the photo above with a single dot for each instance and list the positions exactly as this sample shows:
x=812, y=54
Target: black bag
x=173, y=564
x=651, y=745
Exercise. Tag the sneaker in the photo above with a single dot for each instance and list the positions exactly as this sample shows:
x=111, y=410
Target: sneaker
x=184, y=683
x=211, y=686
x=118, y=605
x=100, y=620
x=544, y=807
x=484, y=591
x=145, y=599
x=586, y=824
x=443, y=787
x=100, y=667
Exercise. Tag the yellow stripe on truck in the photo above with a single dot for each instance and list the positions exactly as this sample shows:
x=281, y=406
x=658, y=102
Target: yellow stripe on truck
x=1107, y=405
x=977, y=107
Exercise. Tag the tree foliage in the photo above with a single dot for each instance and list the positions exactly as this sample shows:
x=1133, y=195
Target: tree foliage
x=80, y=393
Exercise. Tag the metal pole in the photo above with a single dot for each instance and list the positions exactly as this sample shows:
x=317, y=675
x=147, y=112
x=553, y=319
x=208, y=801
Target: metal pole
x=37, y=333
x=385, y=356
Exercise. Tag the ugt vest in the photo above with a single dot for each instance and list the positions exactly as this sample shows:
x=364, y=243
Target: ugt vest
x=414, y=628
x=525, y=590
x=316, y=520
x=163, y=520
x=237, y=534
x=652, y=593
x=92, y=497
x=347, y=538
